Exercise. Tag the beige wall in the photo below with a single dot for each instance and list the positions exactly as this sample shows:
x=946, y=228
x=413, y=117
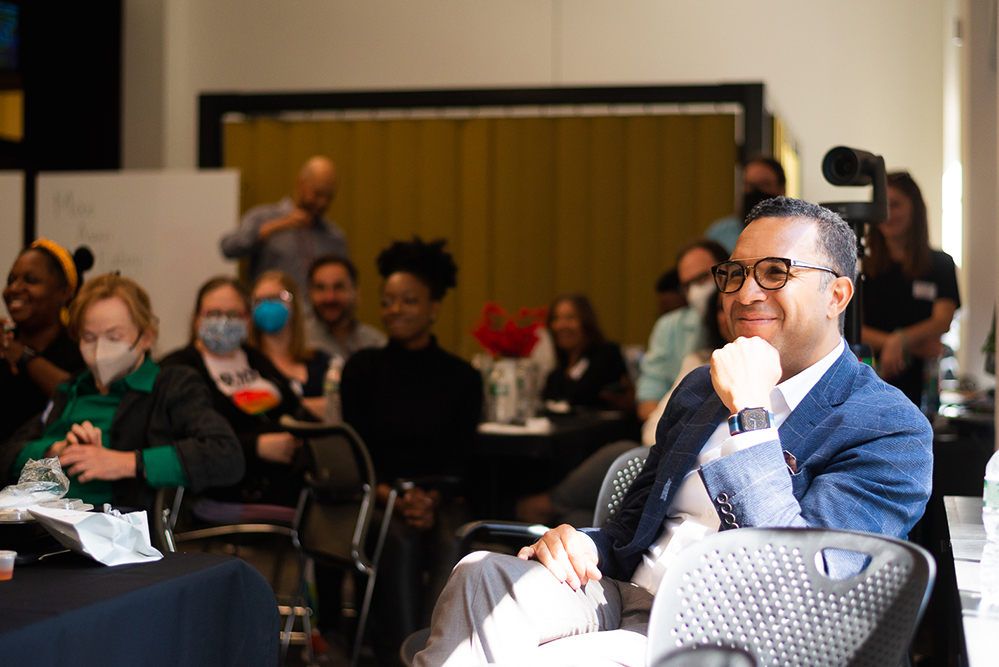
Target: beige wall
x=860, y=72
x=865, y=73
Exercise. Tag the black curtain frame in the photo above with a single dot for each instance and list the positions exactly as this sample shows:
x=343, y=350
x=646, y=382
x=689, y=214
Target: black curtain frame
x=212, y=107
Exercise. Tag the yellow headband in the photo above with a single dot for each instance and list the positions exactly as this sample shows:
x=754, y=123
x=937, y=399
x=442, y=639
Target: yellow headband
x=62, y=256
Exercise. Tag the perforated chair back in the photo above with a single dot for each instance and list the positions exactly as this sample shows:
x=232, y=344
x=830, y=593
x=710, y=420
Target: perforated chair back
x=762, y=590
x=618, y=479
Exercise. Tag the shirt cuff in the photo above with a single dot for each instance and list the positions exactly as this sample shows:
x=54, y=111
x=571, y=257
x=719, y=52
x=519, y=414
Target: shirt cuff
x=740, y=441
x=163, y=467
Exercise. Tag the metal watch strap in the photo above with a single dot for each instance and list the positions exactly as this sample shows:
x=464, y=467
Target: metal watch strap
x=27, y=354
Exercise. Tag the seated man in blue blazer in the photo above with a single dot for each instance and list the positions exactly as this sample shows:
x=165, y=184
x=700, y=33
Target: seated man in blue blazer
x=785, y=428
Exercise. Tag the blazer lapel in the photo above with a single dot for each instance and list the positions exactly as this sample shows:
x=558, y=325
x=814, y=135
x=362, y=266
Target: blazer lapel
x=831, y=389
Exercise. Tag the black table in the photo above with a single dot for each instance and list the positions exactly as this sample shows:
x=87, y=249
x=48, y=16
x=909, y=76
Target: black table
x=522, y=463
x=186, y=609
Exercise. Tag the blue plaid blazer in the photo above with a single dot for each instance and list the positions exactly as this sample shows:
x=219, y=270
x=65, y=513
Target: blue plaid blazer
x=862, y=455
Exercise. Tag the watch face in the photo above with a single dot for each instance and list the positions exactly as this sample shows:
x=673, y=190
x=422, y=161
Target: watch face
x=754, y=419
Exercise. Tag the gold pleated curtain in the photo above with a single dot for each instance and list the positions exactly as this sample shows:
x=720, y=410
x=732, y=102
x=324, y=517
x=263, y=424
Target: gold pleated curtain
x=531, y=207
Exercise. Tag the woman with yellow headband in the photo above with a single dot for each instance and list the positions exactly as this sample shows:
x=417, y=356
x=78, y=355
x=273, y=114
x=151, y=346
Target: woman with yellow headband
x=38, y=354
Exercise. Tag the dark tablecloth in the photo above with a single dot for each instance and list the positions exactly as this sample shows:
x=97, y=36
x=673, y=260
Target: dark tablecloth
x=186, y=609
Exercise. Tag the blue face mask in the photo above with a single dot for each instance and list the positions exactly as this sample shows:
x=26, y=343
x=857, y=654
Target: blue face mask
x=220, y=335
x=271, y=315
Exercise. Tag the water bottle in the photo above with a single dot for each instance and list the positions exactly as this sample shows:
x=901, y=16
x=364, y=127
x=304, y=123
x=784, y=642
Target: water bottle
x=989, y=565
x=331, y=390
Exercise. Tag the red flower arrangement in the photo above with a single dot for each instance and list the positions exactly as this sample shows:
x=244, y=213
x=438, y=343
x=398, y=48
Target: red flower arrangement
x=509, y=336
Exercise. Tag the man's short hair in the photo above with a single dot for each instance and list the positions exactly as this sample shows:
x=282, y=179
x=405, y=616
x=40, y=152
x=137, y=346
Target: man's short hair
x=323, y=260
x=773, y=164
x=836, y=241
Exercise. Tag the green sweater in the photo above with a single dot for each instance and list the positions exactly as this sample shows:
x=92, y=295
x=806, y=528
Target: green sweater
x=85, y=403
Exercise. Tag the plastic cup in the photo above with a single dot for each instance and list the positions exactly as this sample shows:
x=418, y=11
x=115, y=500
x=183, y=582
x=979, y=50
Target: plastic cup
x=7, y=564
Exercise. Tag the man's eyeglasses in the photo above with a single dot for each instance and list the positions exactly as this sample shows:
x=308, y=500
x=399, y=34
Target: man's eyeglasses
x=771, y=273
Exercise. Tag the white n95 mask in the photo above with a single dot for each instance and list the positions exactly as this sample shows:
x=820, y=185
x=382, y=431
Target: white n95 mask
x=110, y=360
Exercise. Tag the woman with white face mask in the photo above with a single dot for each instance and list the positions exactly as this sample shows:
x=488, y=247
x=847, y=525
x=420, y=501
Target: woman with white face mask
x=125, y=426
x=277, y=330
x=251, y=393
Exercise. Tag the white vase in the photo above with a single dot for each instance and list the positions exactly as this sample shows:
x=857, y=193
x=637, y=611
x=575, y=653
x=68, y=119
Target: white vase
x=503, y=390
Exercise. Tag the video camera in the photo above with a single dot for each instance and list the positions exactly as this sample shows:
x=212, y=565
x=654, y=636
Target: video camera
x=843, y=166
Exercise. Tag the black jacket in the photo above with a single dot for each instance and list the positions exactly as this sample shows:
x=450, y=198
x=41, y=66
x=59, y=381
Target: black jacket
x=178, y=412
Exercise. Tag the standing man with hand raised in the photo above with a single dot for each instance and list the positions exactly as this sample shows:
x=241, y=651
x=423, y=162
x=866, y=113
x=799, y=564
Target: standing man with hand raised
x=289, y=235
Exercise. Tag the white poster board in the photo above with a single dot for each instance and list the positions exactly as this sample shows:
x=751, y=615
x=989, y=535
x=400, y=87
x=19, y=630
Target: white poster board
x=161, y=229
x=11, y=222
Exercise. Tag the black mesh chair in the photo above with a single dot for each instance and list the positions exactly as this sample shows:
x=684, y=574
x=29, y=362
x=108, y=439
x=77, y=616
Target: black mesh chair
x=765, y=591
x=334, y=514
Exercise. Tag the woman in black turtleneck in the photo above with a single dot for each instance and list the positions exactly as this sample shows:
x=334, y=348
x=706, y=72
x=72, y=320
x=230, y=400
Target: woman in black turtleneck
x=416, y=407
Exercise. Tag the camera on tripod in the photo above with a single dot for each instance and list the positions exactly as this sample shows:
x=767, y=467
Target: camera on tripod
x=843, y=166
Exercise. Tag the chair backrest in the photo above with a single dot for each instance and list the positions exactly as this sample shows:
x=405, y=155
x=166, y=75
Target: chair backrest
x=765, y=591
x=619, y=477
x=335, y=508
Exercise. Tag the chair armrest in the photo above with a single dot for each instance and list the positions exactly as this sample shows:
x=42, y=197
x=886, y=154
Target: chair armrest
x=483, y=529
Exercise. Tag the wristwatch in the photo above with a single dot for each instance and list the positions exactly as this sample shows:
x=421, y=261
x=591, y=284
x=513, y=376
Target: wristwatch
x=27, y=354
x=750, y=419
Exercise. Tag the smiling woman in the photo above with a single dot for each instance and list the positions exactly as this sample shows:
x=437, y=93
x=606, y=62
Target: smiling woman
x=37, y=354
x=417, y=407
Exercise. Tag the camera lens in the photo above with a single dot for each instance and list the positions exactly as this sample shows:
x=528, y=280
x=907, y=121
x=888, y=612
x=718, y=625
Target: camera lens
x=844, y=165
x=841, y=166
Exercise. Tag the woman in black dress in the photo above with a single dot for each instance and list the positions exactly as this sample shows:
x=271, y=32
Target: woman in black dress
x=910, y=290
x=417, y=407
x=590, y=371
x=37, y=353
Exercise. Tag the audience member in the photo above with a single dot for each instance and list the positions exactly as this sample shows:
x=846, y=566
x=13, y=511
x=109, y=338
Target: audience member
x=277, y=329
x=762, y=178
x=910, y=291
x=333, y=293
x=830, y=438
x=590, y=371
x=288, y=235
x=417, y=407
x=678, y=333
x=37, y=352
x=668, y=294
x=573, y=499
x=251, y=394
x=125, y=426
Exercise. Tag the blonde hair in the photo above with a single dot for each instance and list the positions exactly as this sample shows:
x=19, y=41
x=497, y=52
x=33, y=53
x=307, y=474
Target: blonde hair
x=298, y=349
x=107, y=286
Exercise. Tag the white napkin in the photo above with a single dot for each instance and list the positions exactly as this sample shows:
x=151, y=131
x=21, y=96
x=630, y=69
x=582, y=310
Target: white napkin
x=108, y=539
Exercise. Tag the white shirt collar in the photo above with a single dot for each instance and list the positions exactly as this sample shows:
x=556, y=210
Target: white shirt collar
x=794, y=389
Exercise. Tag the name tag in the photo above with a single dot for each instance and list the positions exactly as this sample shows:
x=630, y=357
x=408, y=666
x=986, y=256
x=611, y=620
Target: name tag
x=579, y=368
x=924, y=290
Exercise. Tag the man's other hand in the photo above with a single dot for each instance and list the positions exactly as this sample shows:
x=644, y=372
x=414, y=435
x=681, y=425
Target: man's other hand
x=567, y=554
x=744, y=372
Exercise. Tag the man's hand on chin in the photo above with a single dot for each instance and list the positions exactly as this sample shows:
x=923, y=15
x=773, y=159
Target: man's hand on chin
x=567, y=553
x=744, y=372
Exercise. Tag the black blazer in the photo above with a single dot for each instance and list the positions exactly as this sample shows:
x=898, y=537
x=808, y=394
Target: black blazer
x=178, y=412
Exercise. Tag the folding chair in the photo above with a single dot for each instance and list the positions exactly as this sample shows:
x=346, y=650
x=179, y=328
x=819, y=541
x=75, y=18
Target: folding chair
x=334, y=513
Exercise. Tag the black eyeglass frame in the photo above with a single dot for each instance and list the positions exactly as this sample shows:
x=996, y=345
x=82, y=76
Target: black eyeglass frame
x=788, y=263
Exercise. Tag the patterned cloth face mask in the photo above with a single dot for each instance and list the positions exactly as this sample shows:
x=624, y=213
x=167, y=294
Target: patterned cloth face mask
x=222, y=335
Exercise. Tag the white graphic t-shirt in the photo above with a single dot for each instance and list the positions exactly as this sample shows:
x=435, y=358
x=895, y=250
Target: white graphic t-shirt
x=233, y=376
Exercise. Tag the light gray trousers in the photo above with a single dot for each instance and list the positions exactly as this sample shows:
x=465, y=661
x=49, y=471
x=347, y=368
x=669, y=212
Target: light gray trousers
x=500, y=609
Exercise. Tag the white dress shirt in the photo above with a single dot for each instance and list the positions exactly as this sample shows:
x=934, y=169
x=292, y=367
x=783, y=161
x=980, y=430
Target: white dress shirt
x=691, y=515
